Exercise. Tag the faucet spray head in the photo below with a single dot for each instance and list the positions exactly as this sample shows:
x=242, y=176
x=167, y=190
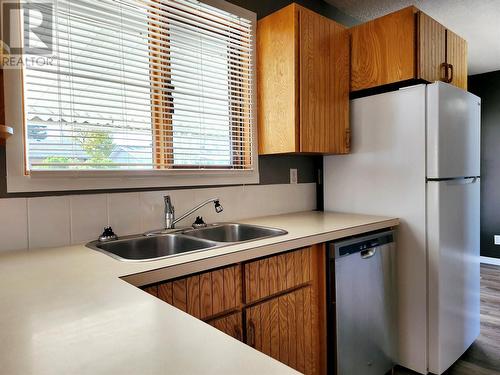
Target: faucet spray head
x=218, y=207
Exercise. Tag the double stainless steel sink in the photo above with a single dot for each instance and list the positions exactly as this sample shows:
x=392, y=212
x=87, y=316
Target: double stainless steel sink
x=175, y=242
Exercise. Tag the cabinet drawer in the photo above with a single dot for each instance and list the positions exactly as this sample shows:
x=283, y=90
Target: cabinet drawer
x=275, y=274
x=205, y=295
x=230, y=324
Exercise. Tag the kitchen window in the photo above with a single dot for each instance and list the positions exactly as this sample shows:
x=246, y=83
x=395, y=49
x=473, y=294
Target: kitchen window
x=142, y=85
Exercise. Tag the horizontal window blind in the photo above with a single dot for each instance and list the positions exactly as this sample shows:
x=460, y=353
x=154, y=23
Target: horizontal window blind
x=150, y=84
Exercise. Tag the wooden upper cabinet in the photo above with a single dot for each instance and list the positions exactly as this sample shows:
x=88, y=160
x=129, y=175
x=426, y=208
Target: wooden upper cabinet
x=303, y=83
x=277, y=93
x=431, y=48
x=323, y=84
x=406, y=46
x=383, y=50
x=456, y=56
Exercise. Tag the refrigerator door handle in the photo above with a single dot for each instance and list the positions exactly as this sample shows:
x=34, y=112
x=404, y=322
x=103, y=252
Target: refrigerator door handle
x=473, y=180
x=463, y=181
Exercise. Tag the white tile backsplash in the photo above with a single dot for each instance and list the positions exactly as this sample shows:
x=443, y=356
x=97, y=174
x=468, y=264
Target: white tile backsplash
x=13, y=224
x=277, y=199
x=60, y=221
x=89, y=215
x=49, y=222
x=124, y=212
x=153, y=206
x=230, y=199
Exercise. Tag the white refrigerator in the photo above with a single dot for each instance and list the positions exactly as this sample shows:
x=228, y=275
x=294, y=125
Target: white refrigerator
x=416, y=155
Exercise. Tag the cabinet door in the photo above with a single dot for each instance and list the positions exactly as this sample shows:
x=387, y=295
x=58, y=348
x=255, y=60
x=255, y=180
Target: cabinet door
x=456, y=56
x=205, y=295
x=431, y=48
x=153, y=290
x=230, y=324
x=383, y=50
x=277, y=95
x=286, y=329
x=275, y=274
x=323, y=84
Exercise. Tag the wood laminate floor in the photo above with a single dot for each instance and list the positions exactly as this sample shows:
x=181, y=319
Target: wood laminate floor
x=483, y=357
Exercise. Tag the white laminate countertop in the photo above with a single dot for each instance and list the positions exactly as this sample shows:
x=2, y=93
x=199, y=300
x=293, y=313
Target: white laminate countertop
x=68, y=311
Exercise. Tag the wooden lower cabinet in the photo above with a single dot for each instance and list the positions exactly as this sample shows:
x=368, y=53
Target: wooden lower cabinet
x=276, y=274
x=153, y=290
x=204, y=295
x=285, y=329
x=285, y=308
x=230, y=324
x=280, y=311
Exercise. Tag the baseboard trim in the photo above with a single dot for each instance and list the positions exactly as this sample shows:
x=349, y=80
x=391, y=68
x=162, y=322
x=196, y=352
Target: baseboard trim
x=490, y=260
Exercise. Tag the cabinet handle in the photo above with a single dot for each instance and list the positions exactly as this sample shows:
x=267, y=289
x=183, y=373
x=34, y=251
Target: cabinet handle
x=451, y=73
x=348, y=139
x=251, y=334
x=444, y=66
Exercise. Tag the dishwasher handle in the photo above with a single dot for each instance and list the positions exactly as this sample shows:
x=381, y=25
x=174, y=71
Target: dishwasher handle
x=367, y=254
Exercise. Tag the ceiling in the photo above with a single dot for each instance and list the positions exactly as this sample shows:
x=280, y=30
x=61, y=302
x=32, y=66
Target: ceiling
x=477, y=21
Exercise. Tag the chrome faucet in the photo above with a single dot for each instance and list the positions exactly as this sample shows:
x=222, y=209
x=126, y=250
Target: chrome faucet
x=170, y=219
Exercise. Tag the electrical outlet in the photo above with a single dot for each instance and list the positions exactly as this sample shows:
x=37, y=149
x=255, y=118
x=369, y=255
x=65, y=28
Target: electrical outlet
x=293, y=176
x=497, y=239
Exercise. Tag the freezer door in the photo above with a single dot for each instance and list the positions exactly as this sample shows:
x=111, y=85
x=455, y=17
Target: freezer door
x=453, y=250
x=453, y=132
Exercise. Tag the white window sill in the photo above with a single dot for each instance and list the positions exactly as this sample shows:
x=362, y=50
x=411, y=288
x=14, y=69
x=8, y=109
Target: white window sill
x=68, y=180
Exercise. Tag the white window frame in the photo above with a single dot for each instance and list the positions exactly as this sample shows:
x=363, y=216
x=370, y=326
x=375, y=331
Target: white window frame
x=39, y=181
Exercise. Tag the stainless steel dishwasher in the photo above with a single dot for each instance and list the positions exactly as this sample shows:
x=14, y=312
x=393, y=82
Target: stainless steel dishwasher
x=362, y=319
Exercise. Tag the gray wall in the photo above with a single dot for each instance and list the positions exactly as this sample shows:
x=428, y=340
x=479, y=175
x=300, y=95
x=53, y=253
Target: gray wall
x=487, y=86
x=263, y=8
x=274, y=169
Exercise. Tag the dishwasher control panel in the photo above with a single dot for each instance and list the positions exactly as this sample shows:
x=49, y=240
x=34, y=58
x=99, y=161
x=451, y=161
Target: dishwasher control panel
x=355, y=245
